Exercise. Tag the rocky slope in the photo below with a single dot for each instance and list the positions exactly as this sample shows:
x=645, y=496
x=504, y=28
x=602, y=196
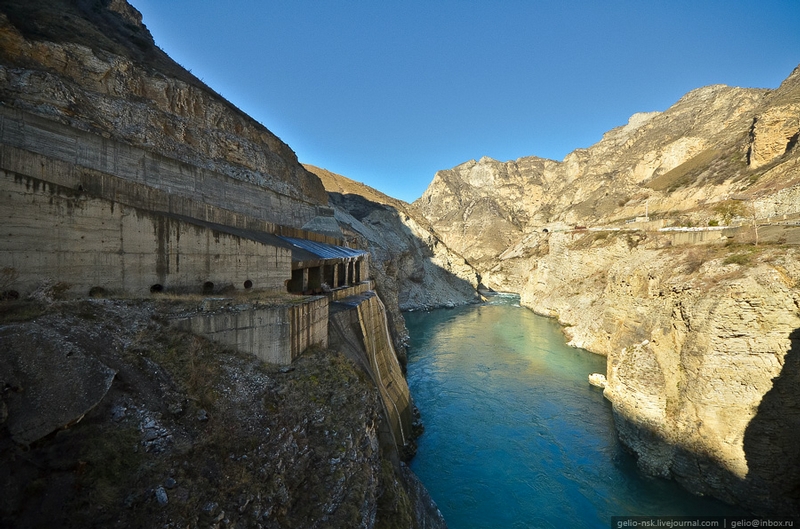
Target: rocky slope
x=700, y=328
x=182, y=432
x=715, y=144
x=93, y=65
x=413, y=269
x=186, y=433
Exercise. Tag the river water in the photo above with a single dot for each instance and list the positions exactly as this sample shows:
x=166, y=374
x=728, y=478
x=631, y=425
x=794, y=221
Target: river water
x=514, y=434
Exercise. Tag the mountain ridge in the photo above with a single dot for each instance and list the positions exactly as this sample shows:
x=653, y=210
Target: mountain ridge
x=671, y=247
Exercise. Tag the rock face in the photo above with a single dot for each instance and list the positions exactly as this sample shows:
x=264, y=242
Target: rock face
x=677, y=165
x=96, y=68
x=699, y=327
x=413, y=269
x=45, y=397
x=774, y=133
x=695, y=339
x=234, y=443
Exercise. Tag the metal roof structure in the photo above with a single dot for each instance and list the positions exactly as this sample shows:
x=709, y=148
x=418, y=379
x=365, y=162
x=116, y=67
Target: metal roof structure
x=320, y=250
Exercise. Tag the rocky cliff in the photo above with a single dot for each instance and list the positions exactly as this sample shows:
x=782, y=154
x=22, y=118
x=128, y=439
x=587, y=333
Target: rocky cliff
x=104, y=409
x=625, y=243
x=94, y=66
x=413, y=269
x=717, y=143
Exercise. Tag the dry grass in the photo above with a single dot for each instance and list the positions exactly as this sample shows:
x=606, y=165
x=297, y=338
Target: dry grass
x=590, y=240
x=12, y=311
x=740, y=259
x=684, y=174
x=8, y=276
x=695, y=258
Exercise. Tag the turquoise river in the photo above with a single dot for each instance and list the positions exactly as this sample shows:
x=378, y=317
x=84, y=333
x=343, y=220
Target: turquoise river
x=514, y=434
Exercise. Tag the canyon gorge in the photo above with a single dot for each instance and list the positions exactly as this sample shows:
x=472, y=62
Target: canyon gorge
x=670, y=247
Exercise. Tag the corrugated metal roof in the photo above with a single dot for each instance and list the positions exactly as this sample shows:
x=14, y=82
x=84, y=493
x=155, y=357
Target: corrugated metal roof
x=322, y=250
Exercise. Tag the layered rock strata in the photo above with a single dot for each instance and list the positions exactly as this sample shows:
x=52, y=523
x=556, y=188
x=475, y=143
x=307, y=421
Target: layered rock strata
x=699, y=323
x=121, y=85
x=133, y=135
x=413, y=268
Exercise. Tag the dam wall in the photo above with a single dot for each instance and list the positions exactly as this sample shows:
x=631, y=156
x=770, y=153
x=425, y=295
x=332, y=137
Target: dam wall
x=359, y=329
x=92, y=213
x=55, y=233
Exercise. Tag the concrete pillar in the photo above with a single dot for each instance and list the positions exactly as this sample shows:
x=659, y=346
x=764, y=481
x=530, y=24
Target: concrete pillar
x=315, y=277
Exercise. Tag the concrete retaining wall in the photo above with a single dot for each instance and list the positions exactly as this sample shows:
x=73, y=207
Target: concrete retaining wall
x=680, y=238
x=355, y=290
x=273, y=334
x=55, y=233
x=309, y=324
x=359, y=329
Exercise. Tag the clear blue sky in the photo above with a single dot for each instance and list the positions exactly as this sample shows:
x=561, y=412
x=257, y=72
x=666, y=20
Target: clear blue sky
x=387, y=93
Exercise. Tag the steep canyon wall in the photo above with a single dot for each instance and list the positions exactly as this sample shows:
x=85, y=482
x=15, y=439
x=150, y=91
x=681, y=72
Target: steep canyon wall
x=699, y=327
x=121, y=170
x=695, y=341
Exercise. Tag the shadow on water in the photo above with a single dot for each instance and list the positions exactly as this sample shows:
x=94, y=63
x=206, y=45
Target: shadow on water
x=402, y=263
x=515, y=436
x=772, y=440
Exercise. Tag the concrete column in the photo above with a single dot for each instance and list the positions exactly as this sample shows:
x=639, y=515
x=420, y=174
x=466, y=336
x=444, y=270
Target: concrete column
x=315, y=277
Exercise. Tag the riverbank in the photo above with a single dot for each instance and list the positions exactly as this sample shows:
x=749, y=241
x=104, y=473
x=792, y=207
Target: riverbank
x=514, y=434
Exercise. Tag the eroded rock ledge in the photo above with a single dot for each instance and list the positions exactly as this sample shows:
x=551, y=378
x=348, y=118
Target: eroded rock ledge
x=702, y=347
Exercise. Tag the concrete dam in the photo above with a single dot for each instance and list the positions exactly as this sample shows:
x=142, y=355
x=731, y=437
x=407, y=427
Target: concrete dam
x=101, y=217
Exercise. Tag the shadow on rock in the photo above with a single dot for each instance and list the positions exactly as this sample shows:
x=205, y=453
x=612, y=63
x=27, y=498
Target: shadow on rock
x=771, y=443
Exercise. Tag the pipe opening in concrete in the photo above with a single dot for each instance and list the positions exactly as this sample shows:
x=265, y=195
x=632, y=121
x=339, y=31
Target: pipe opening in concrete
x=208, y=287
x=100, y=292
x=248, y=284
x=156, y=288
x=9, y=295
